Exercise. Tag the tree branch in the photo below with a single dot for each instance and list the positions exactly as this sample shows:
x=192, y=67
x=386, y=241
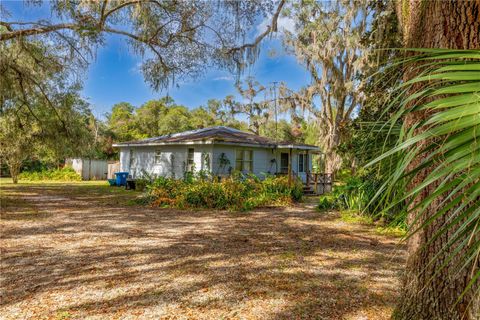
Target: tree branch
x=42, y=29
x=135, y=37
x=271, y=28
x=350, y=109
x=6, y=25
x=36, y=30
x=102, y=14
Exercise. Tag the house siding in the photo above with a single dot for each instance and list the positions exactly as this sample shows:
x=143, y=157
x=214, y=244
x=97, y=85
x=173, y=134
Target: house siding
x=145, y=159
x=261, y=159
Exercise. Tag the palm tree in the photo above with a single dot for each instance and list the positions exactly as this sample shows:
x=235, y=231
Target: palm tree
x=437, y=158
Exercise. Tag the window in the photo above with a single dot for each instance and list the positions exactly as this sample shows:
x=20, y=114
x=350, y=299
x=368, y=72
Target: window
x=302, y=162
x=132, y=158
x=244, y=160
x=284, y=162
x=238, y=160
x=158, y=156
x=190, y=159
x=205, y=161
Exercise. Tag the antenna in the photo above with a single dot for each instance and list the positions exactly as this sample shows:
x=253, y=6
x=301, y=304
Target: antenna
x=167, y=98
x=275, y=104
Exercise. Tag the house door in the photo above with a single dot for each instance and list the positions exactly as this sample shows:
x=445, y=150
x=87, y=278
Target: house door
x=303, y=166
x=284, y=161
x=191, y=160
x=302, y=162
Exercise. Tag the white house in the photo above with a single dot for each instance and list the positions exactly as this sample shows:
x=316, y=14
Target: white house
x=220, y=150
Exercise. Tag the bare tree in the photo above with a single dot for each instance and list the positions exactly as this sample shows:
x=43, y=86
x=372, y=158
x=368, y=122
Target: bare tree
x=329, y=44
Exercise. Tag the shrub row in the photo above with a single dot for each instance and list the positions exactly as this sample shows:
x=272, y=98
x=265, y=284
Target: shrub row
x=234, y=193
x=64, y=174
x=358, y=194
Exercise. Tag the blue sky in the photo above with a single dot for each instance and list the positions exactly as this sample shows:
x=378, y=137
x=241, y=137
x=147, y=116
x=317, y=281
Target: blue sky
x=114, y=75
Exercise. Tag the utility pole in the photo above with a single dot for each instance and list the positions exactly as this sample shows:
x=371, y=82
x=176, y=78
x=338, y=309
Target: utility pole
x=275, y=105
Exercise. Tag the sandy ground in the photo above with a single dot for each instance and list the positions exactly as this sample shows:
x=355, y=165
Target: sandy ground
x=79, y=251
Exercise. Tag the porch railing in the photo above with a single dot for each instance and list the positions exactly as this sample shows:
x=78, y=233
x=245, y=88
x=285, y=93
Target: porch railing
x=322, y=182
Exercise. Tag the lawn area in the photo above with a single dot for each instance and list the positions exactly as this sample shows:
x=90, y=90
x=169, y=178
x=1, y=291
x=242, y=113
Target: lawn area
x=81, y=250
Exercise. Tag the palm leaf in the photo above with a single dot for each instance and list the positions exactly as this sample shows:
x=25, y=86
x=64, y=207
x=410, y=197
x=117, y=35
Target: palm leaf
x=447, y=141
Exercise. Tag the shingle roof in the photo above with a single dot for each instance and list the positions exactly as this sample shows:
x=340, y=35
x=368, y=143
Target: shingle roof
x=219, y=134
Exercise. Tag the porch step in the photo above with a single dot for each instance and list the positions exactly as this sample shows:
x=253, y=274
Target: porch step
x=308, y=190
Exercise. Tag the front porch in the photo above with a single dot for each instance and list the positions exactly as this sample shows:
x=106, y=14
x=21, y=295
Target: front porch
x=296, y=162
x=318, y=183
x=314, y=183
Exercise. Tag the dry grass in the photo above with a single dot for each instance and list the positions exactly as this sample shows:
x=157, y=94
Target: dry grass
x=76, y=251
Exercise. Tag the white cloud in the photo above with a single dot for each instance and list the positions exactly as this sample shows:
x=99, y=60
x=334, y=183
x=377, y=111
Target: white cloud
x=223, y=78
x=136, y=69
x=283, y=24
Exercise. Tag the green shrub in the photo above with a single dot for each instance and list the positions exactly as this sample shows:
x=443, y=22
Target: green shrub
x=205, y=194
x=353, y=216
x=356, y=194
x=343, y=175
x=141, y=184
x=64, y=174
x=282, y=187
x=165, y=191
x=238, y=192
x=326, y=202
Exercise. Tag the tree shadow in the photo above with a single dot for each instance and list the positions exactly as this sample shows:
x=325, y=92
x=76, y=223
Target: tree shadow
x=271, y=263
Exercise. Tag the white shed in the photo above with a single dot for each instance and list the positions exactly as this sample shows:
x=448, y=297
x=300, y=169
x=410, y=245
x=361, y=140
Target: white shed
x=89, y=169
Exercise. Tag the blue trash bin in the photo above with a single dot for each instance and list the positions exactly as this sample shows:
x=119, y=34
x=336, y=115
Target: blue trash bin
x=121, y=178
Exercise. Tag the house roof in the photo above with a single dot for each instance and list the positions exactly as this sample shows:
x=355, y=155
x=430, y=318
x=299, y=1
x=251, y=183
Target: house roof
x=212, y=135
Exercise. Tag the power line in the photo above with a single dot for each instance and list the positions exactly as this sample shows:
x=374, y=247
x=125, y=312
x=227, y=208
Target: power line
x=275, y=104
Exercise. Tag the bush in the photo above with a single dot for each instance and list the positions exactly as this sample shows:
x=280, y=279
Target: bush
x=64, y=174
x=238, y=192
x=356, y=194
x=141, y=184
x=326, y=202
x=164, y=191
x=280, y=186
x=205, y=194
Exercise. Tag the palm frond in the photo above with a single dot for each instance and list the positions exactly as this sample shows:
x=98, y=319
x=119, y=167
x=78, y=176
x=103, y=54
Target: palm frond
x=444, y=145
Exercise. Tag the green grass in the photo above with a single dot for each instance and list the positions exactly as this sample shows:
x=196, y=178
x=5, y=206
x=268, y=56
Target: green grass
x=352, y=216
x=20, y=197
x=391, y=231
x=288, y=255
x=63, y=315
x=8, y=182
x=8, y=200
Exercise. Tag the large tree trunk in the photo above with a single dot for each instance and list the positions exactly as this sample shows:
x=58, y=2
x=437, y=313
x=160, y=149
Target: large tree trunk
x=14, y=168
x=333, y=161
x=435, y=24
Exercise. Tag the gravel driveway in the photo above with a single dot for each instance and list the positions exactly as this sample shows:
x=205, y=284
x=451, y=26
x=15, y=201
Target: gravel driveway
x=76, y=251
